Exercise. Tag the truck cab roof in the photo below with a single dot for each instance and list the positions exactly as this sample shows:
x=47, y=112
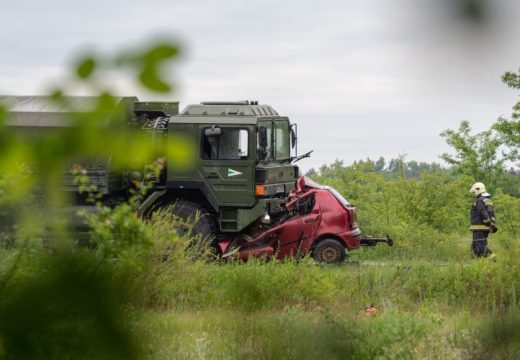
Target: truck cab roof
x=239, y=108
x=226, y=112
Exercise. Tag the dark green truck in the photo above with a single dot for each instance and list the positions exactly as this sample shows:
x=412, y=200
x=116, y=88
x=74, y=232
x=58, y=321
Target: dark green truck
x=241, y=169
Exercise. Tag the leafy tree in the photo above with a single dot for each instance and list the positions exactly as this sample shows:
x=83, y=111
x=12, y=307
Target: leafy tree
x=397, y=166
x=380, y=164
x=476, y=156
x=311, y=172
x=509, y=129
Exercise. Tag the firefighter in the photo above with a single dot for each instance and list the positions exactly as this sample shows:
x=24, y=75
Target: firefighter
x=483, y=219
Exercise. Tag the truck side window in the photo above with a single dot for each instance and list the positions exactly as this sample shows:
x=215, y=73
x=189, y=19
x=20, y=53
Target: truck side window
x=230, y=144
x=282, y=140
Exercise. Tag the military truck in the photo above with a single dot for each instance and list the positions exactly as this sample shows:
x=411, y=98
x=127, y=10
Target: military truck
x=240, y=182
x=242, y=170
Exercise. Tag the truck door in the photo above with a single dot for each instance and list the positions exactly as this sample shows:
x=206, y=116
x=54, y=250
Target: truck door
x=228, y=163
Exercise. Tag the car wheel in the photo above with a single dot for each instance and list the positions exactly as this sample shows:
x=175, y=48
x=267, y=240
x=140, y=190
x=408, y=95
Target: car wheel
x=329, y=251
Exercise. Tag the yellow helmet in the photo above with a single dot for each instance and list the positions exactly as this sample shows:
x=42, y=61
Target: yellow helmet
x=478, y=188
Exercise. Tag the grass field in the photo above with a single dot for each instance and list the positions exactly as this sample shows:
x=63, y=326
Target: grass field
x=461, y=308
x=431, y=304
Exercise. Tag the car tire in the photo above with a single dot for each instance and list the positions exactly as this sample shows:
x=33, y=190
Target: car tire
x=329, y=251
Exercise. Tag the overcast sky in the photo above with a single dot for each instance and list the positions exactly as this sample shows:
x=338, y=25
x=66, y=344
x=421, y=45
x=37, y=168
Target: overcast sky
x=362, y=78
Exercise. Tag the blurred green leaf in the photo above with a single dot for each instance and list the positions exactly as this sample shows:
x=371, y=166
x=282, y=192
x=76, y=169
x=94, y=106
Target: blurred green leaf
x=85, y=68
x=148, y=64
x=472, y=9
x=56, y=95
x=151, y=62
x=106, y=103
x=150, y=79
x=160, y=53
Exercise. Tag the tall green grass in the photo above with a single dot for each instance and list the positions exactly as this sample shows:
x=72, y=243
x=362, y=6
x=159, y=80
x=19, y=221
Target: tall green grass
x=163, y=301
x=258, y=285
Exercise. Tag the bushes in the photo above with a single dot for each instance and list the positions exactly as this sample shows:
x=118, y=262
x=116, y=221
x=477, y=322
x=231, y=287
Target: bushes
x=426, y=214
x=58, y=306
x=62, y=301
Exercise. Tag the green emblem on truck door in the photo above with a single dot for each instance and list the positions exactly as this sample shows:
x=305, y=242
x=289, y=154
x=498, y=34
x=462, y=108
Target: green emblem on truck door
x=231, y=172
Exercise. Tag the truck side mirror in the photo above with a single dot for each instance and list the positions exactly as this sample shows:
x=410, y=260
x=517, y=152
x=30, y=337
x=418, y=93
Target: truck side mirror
x=213, y=131
x=262, y=137
x=294, y=137
x=294, y=140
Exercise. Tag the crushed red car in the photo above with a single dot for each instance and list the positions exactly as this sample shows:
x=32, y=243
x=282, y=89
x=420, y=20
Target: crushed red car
x=317, y=220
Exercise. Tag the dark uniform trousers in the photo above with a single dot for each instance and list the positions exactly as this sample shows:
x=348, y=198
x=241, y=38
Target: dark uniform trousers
x=479, y=243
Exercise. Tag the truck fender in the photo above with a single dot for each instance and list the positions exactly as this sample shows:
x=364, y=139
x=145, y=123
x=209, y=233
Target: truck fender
x=149, y=202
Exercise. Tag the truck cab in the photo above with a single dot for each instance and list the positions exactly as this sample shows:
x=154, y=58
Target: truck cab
x=240, y=167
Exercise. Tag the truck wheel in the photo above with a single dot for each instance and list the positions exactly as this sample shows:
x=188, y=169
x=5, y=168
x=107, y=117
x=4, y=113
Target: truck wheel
x=206, y=224
x=329, y=251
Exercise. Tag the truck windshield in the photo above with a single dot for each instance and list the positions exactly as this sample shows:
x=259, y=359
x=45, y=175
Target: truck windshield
x=282, y=149
x=338, y=196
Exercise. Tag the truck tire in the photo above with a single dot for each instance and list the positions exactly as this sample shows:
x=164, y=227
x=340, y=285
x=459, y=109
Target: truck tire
x=206, y=225
x=329, y=251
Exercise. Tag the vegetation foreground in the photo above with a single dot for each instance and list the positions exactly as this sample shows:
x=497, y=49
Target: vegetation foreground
x=145, y=292
x=165, y=301
x=301, y=311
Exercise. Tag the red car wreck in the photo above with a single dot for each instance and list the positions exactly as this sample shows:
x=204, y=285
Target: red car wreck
x=318, y=221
